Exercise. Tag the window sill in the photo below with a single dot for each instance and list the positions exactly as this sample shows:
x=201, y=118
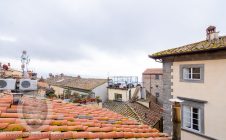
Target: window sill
x=198, y=134
x=192, y=80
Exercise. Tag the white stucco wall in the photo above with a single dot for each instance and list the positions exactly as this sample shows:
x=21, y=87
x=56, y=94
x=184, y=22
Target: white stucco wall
x=111, y=94
x=123, y=92
x=132, y=93
x=143, y=93
x=213, y=90
x=58, y=90
x=101, y=91
x=189, y=136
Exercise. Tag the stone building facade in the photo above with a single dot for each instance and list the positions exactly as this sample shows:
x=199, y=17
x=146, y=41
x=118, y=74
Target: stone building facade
x=166, y=95
x=153, y=83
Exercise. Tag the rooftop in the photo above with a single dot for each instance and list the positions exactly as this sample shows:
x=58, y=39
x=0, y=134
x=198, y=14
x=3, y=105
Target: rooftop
x=43, y=85
x=76, y=82
x=153, y=71
x=53, y=119
x=202, y=46
x=137, y=111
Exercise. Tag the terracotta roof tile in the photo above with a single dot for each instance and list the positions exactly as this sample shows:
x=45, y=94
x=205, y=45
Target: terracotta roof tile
x=153, y=71
x=43, y=84
x=77, y=83
x=126, y=109
x=73, y=122
x=193, y=48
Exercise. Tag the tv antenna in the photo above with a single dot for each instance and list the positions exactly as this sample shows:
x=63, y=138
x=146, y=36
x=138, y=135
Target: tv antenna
x=25, y=60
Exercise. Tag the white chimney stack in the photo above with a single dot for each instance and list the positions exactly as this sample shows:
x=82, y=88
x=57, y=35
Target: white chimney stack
x=211, y=33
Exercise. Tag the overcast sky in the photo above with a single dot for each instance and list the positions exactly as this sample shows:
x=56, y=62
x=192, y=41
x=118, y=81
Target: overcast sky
x=101, y=37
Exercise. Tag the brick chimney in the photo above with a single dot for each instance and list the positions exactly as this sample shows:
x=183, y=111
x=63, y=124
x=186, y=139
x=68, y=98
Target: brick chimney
x=211, y=33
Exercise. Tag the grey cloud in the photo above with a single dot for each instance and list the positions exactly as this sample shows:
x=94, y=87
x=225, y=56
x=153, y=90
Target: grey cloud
x=55, y=30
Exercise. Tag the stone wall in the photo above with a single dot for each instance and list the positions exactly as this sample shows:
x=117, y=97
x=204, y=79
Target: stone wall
x=153, y=85
x=147, y=82
x=167, y=115
x=157, y=87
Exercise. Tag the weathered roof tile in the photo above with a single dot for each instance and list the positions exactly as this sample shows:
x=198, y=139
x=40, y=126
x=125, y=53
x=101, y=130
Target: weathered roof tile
x=20, y=125
x=77, y=83
x=193, y=48
x=153, y=71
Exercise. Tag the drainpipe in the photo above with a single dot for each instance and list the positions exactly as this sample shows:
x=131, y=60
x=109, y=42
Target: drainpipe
x=176, y=109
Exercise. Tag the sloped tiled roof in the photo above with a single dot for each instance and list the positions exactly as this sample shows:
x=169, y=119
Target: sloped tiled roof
x=86, y=83
x=148, y=116
x=76, y=82
x=43, y=85
x=121, y=108
x=201, y=46
x=153, y=71
x=36, y=119
x=59, y=80
x=12, y=73
x=136, y=111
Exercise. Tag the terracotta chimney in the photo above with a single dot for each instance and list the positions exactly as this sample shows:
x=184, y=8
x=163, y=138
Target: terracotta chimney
x=211, y=33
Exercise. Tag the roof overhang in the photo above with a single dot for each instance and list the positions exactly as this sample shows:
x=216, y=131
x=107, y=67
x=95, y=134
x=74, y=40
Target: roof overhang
x=160, y=57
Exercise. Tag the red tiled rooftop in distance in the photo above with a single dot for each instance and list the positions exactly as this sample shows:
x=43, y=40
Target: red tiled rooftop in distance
x=153, y=71
x=66, y=121
x=43, y=85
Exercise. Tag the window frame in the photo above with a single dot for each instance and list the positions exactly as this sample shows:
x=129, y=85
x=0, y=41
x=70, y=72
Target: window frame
x=190, y=74
x=192, y=66
x=157, y=76
x=191, y=121
x=193, y=103
x=116, y=98
x=157, y=94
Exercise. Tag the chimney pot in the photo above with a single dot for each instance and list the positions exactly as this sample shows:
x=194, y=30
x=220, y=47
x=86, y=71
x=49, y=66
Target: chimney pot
x=211, y=33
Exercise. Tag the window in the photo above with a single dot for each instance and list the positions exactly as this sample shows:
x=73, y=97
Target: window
x=192, y=73
x=192, y=112
x=118, y=97
x=191, y=118
x=156, y=77
x=157, y=94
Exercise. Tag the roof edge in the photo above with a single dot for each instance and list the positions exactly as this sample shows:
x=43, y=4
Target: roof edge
x=184, y=53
